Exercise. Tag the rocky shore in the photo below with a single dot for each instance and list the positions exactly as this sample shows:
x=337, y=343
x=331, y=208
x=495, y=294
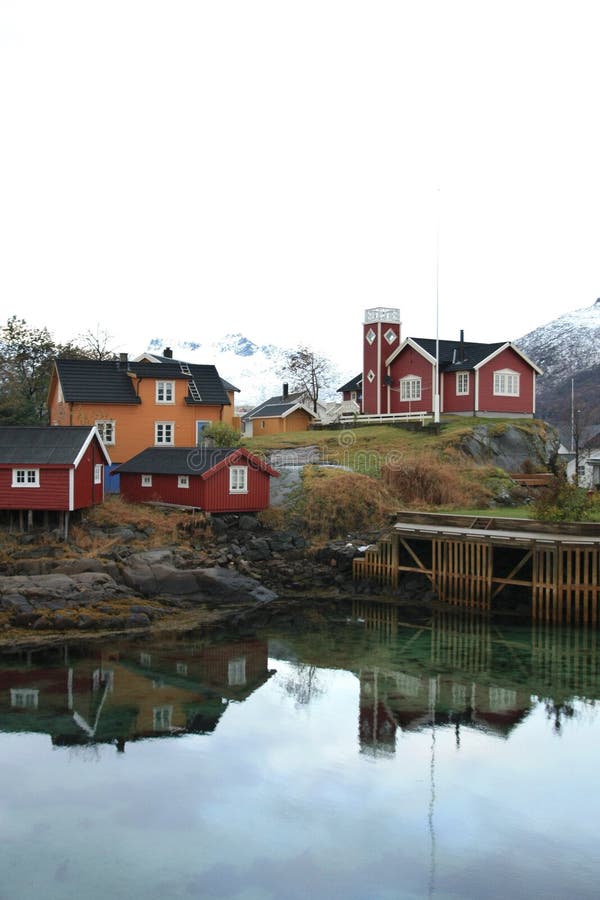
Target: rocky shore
x=242, y=572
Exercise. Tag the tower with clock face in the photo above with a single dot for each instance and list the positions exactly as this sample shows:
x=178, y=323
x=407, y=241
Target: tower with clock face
x=381, y=336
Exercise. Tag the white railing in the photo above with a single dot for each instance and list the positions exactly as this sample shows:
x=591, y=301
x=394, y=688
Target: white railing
x=385, y=418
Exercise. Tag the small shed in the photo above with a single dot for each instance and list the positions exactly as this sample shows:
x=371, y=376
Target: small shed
x=214, y=479
x=47, y=469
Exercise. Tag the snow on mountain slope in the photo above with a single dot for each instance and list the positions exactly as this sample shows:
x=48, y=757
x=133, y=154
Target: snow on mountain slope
x=565, y=345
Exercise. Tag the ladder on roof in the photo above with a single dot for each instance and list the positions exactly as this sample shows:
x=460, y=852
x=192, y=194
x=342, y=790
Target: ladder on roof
x=185, y=369
x=194, y=392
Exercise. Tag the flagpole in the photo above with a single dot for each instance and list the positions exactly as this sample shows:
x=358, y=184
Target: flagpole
x=436, y=400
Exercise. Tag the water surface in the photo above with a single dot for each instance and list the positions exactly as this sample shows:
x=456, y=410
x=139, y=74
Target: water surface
x=364, y=758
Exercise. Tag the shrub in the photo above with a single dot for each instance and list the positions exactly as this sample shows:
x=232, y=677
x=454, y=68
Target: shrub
x=563, y=501
x=222, y=435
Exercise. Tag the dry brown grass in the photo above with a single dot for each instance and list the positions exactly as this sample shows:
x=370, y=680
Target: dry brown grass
x=427, y=481
x=334, y=503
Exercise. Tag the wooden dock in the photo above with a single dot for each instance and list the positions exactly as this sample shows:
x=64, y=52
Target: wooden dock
x=471, y=561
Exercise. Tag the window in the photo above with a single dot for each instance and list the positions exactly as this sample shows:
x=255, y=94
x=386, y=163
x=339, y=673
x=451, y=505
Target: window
x=106, y=430
x=165, y=392
x=238, y=480
x=145, y=659
x=161, y=716
x=26, y=698
x=410, y=388
x=181, y=668
x=163, y=433
x=146, y=480
x=506, y=383
x=462, y=382
x=183, y=481
x=98, y=473
x=25, y=477
x=236, y=671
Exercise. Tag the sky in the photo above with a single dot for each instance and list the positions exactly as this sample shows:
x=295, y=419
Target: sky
x=187, y=170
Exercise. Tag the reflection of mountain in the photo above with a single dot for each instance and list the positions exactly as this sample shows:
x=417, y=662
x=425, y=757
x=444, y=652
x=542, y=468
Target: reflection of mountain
x=128, y=691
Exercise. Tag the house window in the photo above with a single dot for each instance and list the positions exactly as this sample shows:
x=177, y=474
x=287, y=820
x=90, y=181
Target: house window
x=506, y=383
x=146, y=480
x=462, y=382
x=353, y=395
x=24, y=698
x=98, y=473
x=25, y=477
x=370, y=336
x=145, y=659
x=236, y=671
x=106, y=430
x=183, y=481
x=163, y=433
x=165, y=392
x=161, y=716
x=238, y=480
x=181, y=668
x=410, y=388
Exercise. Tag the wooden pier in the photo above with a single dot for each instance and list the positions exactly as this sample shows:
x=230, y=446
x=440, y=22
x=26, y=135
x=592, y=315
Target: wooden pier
x=471, y=561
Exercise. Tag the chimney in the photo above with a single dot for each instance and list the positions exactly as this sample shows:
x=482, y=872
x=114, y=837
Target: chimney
x=123, y=360
x=168, y=353
x=462, y=345
x=285, y=392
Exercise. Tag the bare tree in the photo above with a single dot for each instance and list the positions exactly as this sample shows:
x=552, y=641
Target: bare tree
x=308, y=372
x=97, y=344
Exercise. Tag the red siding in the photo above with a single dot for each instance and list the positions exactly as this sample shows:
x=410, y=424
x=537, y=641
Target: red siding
x=53, y=492
x=218, y=499
x=409, y=362
x=457, y=403
x=374, y=356
x=86, y=492
x=211, y=494
x=489, y=402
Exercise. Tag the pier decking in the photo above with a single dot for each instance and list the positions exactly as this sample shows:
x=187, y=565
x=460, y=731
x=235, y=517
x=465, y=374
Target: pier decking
x=470, y=561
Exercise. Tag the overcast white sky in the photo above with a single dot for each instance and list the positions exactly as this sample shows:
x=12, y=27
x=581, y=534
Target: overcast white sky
x=184, y=170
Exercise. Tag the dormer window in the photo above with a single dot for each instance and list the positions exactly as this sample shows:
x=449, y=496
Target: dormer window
x=165, y=392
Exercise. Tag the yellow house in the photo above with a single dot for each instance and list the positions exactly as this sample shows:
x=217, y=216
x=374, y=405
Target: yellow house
x=277, y=415
x=154, y=401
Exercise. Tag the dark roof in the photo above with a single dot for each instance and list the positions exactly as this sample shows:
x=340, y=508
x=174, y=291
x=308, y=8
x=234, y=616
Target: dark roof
x=176, y=460
x=160, y=358
x=458, y=355
x=43, y=444
x=275, y=407
x=95, y=381
x=186, y=460
x=108, y=381
x=355, y=384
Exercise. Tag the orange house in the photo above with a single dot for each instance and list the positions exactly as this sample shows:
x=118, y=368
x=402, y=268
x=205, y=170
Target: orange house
x=154, y=401
x=281, y=414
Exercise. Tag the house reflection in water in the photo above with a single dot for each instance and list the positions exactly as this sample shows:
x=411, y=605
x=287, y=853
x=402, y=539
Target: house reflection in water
x=127, y=691
x=460, y=670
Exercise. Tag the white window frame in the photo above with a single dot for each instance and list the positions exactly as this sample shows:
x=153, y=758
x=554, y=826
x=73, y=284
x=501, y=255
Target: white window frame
x=106, y=430
x=507, y=383
x=410, y=388
x=97, y=473
x=165, y=392
x=183, y=481
x=238, y=479
x=24, y=698
x=164, y=434
x=236, y=671
x=162, y=718
x=462, y=384
x=146, y=480
x=25, y=478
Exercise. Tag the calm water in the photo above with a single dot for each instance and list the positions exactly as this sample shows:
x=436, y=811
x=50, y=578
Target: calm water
x=367, y=759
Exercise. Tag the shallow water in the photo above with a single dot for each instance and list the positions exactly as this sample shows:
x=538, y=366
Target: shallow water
x=366, y=759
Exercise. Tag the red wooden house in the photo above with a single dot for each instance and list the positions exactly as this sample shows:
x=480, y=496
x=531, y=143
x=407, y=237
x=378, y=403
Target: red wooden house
x=475, y=379
x=49, y=469
x=213, y=479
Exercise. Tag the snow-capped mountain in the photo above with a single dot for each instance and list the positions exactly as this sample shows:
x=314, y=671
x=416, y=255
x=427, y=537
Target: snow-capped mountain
x=252, y=368
x=567, y=350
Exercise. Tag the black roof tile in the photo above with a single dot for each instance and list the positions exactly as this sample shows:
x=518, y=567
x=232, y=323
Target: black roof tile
x=175, y=460
x=41, y=445
x=95, y=381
